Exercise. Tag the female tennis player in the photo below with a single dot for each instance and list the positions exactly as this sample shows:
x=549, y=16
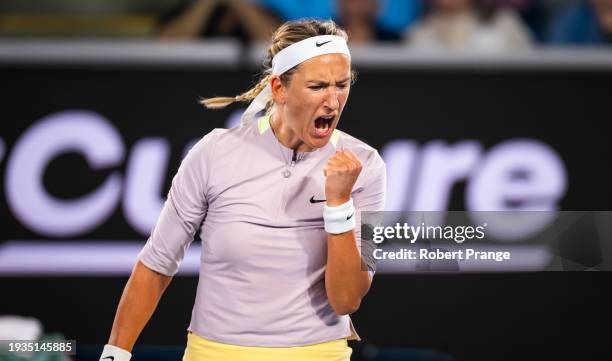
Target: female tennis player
x=276, y=200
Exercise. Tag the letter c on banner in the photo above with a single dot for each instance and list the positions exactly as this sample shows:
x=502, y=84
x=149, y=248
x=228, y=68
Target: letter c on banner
x=86, y=132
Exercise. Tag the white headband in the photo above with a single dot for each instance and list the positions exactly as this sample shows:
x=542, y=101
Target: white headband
x=291, y=56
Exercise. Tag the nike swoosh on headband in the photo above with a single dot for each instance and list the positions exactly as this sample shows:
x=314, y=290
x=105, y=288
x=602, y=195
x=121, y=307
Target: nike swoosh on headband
x=351, y=216
x=291, y=56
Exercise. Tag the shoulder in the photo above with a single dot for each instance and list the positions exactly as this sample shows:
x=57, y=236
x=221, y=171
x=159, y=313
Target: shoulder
x=224, y=138
x=207, y=142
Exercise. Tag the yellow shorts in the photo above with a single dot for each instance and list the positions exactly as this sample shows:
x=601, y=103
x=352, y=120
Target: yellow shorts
x=201, y=349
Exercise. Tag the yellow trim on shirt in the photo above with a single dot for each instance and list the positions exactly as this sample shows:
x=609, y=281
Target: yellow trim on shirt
x=334, y=137
x=263, y=123
x=201, y=349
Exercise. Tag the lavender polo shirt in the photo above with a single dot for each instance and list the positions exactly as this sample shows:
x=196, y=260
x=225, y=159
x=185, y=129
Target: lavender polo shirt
x=264, y=248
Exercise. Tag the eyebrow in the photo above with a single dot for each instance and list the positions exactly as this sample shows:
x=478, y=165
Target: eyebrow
x=322, y=82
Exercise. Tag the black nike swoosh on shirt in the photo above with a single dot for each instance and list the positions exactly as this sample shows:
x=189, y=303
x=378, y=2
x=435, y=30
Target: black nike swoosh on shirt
x=109, y=357
x=351, y=216
x=312, y=200
x=323, y=43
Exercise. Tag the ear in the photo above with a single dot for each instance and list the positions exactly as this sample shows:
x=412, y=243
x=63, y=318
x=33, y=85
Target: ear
x=278, y=89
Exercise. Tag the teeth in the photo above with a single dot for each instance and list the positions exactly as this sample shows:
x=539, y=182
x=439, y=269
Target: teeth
x=323, y=123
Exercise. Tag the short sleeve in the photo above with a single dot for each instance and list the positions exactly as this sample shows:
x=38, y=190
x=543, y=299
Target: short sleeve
x=183, y=211
x=370, y=198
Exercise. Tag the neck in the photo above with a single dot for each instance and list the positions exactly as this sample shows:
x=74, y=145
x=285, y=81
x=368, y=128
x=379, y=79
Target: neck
x=286, y=136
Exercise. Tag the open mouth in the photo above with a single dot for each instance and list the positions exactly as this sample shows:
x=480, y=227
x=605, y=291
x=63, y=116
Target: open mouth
x=323, y=125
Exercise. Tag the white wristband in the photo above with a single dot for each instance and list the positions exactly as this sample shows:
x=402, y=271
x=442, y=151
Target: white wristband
x=114, y=353
x=339, y=219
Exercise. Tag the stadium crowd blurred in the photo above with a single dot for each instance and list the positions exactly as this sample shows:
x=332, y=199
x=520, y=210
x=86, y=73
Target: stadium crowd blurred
x=471, y=25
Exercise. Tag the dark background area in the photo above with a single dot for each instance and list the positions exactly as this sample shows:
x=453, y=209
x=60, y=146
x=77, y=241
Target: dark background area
x=534, y=316
x=526, y=316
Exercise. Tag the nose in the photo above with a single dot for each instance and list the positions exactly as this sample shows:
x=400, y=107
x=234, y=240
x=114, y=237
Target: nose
x=331, y=98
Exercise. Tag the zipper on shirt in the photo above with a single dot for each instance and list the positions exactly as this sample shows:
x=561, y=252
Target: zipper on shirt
x=283, y=198
x=293, y=159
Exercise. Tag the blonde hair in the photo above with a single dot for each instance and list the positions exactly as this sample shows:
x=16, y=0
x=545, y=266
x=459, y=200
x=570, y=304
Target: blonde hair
x=288, y=33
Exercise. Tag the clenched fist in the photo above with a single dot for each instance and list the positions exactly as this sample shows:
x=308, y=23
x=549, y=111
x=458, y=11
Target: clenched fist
x=341, y=172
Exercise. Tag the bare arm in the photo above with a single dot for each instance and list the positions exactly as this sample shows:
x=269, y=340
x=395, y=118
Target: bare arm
x=138, y=301
x=345, y=281
x=257, y=23
x=163, y=252
x=188, y=24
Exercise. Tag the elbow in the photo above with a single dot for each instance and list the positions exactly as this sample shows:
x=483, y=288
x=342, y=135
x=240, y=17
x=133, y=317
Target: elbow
x=345, y=306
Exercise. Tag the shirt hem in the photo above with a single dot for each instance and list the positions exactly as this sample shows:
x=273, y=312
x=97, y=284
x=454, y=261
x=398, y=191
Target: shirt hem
x=228, y=341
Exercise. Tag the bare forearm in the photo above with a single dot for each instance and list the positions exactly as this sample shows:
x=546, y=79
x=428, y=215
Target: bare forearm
x=257, y=23
x=188, y=24
x=346, y=282
x=138, y=302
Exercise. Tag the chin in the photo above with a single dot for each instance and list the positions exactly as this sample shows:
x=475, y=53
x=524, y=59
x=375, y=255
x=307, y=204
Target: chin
x=318, y=142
